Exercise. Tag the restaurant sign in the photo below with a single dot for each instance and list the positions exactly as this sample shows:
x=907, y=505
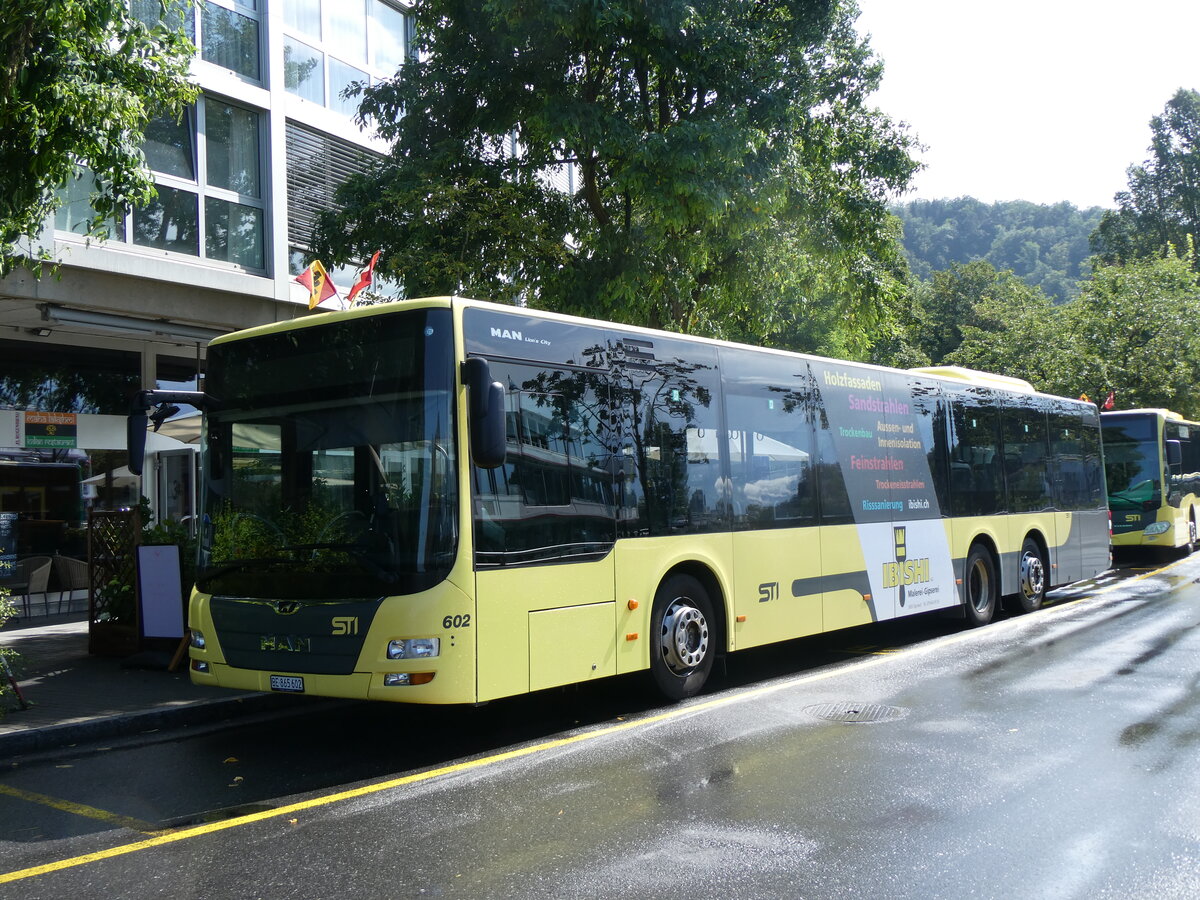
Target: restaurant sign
x=49, y=429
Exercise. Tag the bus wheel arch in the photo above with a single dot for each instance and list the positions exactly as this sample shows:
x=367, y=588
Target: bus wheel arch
x=1033, y=575
x=687, y=630
x=981, y=583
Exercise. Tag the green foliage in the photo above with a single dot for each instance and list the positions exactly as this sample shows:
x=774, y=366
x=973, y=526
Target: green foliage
x=117, y=601
x=1162, y=205
x=8, y=610
x=79, y=80
x=1133, y=330
x=966, y=300
x=1045, y=246
x=1136, y=330
x=730, y=176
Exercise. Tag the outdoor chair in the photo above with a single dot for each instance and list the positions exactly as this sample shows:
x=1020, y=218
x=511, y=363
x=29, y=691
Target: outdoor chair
x=70, y=575
x=34, y=573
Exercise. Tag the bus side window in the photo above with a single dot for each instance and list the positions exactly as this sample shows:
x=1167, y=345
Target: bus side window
x=976, y=464
x=554, y=495
x=671, y=404
x=834, y=499
x=1092, y=468
x=771, y=460
x=1066, y=431
x=1026, y=447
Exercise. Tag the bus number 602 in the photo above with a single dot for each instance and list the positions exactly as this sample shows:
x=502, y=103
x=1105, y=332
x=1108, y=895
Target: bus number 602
x=457, y=621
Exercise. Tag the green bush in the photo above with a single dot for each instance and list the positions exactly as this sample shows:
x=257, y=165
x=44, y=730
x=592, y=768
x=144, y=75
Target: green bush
x=8, y=610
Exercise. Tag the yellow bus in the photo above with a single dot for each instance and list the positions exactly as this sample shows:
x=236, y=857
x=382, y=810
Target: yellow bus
x=1152, y=467
x=450, y=501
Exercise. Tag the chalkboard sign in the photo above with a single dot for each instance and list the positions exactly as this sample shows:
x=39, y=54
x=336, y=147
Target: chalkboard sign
x=160, y=592
x=8, y=546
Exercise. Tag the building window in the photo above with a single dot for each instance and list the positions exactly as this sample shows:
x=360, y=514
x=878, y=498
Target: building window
x=317, y=164
x=208, y=171
x=209, y=180
x=72, y=379
x=329, y=45
x=229, y=34
x=76, y=212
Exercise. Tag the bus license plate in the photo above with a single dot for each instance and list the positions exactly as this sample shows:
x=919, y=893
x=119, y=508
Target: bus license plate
x=293, y=684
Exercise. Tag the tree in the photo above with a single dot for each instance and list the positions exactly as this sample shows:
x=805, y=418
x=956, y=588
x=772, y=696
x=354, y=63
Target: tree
x=1136, y=331
x=725, y=161
x=79, y=79
x=1045, y=245
x=1162, y=205
x=964, y=297
x=1017, y=330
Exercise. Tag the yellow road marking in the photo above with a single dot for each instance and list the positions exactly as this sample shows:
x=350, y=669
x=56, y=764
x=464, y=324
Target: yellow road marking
x=292, y=809
x=80, y=809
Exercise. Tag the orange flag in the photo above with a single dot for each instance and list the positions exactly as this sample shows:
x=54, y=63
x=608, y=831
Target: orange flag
x=320, y=285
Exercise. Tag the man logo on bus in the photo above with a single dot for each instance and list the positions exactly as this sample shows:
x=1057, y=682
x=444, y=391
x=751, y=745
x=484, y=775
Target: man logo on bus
x=904, y=571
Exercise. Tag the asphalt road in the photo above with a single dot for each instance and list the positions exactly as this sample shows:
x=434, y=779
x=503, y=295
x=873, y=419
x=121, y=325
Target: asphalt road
x=1050, y=755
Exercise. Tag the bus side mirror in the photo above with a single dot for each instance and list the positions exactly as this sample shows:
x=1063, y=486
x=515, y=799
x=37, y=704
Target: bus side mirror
x=485, y=411
x=1174, y=456
x=140, y=417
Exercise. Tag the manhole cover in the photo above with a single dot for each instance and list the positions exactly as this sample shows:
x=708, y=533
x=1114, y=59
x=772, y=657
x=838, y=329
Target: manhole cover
x=852, y=713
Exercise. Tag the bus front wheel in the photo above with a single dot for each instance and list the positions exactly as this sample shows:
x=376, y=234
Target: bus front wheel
x=980, y=586
x=683, y=639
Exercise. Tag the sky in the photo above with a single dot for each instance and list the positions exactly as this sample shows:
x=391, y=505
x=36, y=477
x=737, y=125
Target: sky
x=1021, y=100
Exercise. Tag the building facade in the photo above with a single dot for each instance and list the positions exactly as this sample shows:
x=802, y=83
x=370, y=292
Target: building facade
x=240, y=180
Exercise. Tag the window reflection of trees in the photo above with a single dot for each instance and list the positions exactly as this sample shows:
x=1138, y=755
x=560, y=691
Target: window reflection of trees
x=91, y=381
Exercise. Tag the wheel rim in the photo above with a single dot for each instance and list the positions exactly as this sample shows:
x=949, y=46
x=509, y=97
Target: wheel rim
x=1033, y=576
x=1191, y=531
x=979, y=584
x=684, y=637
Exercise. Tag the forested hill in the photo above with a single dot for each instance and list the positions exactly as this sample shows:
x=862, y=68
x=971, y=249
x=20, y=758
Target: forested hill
x=1046, y=246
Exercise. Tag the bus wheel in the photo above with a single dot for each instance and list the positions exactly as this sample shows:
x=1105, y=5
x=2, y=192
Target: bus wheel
x=979, y=586
x=1032, y=588
x=682, y=639
x=1191, y=544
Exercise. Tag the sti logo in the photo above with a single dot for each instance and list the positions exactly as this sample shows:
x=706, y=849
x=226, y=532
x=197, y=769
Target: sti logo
x=507, y=335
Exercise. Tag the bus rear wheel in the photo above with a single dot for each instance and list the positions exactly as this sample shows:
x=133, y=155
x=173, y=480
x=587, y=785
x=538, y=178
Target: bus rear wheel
x=1031, y=579
x=683, y=640
x=979, y=586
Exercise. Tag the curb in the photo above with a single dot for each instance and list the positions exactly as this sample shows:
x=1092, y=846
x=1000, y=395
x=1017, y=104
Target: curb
x=201, y=712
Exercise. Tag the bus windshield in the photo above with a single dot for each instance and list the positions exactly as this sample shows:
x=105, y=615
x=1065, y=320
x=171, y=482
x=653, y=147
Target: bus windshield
x=329, y=460
x=1131, y=462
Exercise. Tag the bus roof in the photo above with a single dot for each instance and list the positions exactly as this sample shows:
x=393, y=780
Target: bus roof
x=974, y=376
x=1158, y=412
x=951, y=373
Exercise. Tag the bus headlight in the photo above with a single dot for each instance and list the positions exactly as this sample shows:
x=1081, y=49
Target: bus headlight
x=197, y=639
x=1157, y=528
x=414, y=648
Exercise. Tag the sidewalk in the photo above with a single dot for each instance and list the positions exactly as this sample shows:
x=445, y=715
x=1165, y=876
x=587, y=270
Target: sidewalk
x=77, y=698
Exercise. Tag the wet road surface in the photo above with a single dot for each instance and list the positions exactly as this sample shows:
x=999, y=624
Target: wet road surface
x=1050, y=755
